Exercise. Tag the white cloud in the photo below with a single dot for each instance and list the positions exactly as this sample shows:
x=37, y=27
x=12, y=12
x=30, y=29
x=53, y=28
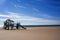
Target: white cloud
x=35, y=9
x=19, y=6
x=43, y=14
x=48, y=16
x=27, y=20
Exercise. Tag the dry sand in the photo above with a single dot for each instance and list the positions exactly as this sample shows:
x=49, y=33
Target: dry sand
x=40, y=33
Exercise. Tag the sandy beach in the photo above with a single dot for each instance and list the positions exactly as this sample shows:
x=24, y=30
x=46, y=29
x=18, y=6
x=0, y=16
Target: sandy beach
x=37, y=33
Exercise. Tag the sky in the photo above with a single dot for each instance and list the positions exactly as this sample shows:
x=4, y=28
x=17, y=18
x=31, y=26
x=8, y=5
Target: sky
x=31, y=12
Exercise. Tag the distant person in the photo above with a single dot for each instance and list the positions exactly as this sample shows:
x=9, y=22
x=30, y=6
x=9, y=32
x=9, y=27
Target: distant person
x=18, y=25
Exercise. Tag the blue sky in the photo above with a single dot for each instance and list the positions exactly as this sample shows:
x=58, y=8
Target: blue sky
x=31, y=12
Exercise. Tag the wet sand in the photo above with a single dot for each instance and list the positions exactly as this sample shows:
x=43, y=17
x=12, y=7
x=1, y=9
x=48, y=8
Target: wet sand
x=39, y=33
